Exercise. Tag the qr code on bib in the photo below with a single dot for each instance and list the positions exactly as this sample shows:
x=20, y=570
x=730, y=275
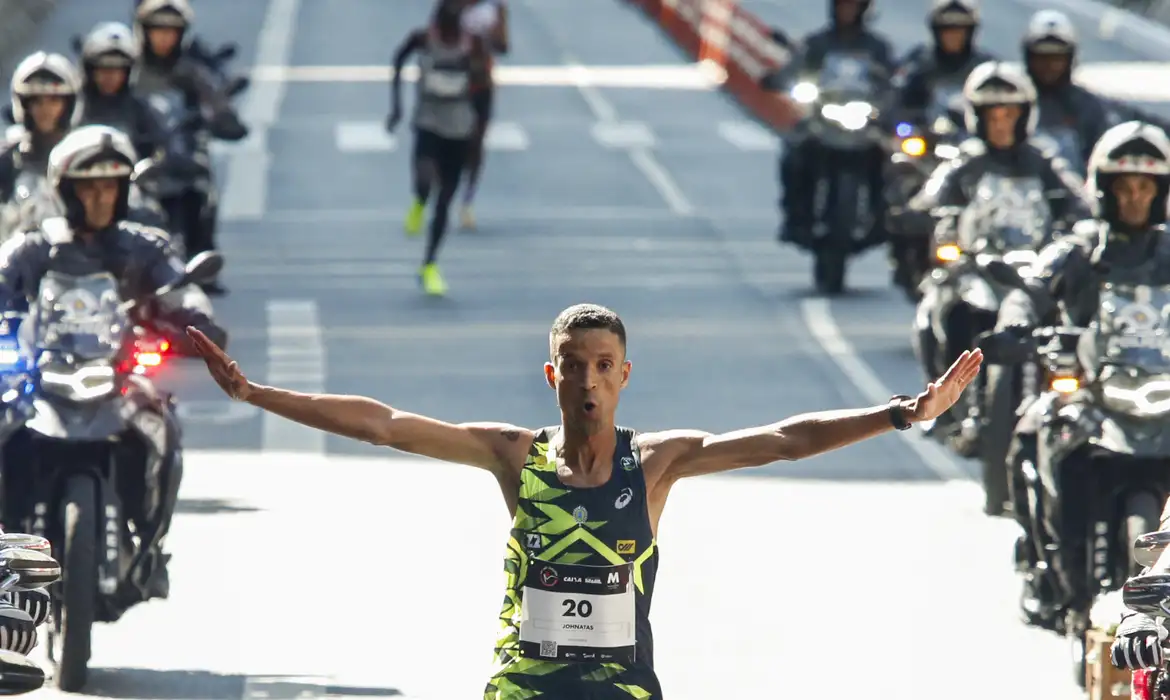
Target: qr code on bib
x=548, y=649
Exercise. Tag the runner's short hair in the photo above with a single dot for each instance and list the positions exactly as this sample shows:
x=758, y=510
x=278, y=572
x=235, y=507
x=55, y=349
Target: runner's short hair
x=581, y=317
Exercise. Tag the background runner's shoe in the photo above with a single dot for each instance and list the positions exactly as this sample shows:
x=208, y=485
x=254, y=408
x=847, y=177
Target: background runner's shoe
x=414, y=218
x=432, y=282
x=467, y=218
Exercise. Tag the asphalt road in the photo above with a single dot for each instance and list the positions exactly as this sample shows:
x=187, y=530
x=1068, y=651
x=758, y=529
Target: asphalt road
x=658, y=202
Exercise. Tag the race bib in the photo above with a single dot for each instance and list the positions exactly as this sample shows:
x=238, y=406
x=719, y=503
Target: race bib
x=573, y=612
x=446, y=84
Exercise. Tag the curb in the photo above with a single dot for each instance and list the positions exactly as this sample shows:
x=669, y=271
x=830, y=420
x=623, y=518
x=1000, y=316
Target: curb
x=18, y=20
x=735, y=43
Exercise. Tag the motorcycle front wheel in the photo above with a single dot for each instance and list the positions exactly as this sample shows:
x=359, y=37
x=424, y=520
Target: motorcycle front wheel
x=832, y=252
x=76, y=605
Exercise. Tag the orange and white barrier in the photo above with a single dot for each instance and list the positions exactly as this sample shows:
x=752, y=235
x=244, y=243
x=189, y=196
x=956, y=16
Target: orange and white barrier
x=735, y=44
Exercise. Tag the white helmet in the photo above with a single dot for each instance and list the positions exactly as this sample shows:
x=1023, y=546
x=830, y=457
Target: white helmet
x=1050, y=32
x=996, y=83
x=88, y=153
x=110, y=45
x=953, y=13
x=176, y=14
x=43, y=74
x=1132, y=148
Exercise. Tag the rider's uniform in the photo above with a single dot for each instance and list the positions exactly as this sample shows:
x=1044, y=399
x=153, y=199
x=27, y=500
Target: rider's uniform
x=580, y=567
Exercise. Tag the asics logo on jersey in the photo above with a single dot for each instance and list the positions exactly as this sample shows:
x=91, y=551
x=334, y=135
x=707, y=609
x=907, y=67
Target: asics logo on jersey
x=624, y=498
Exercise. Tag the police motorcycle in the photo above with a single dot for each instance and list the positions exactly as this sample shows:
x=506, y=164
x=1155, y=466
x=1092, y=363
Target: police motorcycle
x=916, y=154
x=83, y=432
x=1007, y=220
x=843, y=106
x=26, y=569
x=1149, y=594
x=1102, y=422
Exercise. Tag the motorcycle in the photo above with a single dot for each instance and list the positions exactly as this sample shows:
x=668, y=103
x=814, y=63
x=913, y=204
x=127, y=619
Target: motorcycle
x=1149, y=594
x=83, y=433
x=1099, y=427
x=843, y=118
x=915, y=156
x=1008, y=220
x=26, y=569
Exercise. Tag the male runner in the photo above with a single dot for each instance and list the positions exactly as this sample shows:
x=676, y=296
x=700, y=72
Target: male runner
x=585, y=497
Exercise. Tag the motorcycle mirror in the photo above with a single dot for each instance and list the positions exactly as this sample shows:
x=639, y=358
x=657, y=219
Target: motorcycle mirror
x=1149, y=547
x=77, y=43
x=780, y=37
x=19, y=675
x=204, y=267
x=225, y=53
x=1003, y=273
x=6, y=113
x=238, y=85
x=20, y=540
x=33, y=569
x=1147, y=594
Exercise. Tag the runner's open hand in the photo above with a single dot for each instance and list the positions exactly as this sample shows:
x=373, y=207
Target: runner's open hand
x=941, y=394
x=223, y=369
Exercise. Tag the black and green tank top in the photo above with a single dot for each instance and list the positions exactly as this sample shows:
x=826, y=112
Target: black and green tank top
x=587, y=559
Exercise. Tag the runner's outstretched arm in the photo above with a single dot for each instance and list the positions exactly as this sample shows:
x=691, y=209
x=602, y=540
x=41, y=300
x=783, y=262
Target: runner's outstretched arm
x=681, y=453
x=488, y=446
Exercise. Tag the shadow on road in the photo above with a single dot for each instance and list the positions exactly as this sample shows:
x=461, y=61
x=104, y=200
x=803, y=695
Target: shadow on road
x=146, y=684
x=213, y=506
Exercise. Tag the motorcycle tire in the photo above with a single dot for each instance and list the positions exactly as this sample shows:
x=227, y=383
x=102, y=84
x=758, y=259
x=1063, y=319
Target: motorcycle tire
x=77, y=601
x=832, y=253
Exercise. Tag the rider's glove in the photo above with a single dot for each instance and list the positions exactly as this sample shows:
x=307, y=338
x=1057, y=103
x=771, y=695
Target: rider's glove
x=1138, y=643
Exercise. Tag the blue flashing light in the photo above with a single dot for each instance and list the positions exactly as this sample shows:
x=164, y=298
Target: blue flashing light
x=904, y=130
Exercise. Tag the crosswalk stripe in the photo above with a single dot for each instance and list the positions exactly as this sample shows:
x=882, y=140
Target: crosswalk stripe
x=618, y=135
x=748, y=136
x=363, y=137
x=369, y=136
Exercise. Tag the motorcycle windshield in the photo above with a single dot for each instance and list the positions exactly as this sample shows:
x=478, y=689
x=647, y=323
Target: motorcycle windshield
x=944, y=100
x=1006, y=214
x=79, y=316
x=1133, y=327
x=846, y=77
x=170, y=106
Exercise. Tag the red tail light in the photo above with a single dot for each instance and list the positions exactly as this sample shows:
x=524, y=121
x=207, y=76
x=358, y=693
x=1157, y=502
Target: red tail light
x=1142, y=685
x=148, y=354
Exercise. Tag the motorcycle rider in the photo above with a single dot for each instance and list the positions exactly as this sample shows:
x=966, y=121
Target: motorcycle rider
x=847, y=34
x=109, y=55
x=1000, y=113
x=931, y=70
x=1070, y=115
x=1129, y=181
x=162, y=28
x=90, y=171
x=46, y=89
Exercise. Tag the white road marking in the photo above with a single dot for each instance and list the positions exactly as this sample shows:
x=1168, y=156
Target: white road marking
x=749, y=136
x=758, y=597
x=818, y=317
x=363, y=137
x=370, y=136
x=622, y=135
x=245, y=193
x=684, y=77
x=296, y=361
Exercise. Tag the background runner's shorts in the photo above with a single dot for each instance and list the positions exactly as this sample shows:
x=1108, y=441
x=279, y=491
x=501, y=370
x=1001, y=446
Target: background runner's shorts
x=482, y=101
x=449, y=155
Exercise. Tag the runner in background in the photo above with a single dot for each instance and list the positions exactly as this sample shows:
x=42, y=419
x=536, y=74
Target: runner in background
x=487, y=19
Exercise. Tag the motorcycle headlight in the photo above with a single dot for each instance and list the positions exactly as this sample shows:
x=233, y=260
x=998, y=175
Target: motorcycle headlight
x=805, y=93
x=1147, y=395
x=945, y=151
x=948, y=253
x=852, y=116
x=79, y=383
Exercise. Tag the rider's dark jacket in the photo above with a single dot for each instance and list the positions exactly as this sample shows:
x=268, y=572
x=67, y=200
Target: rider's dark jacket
x=140, y=257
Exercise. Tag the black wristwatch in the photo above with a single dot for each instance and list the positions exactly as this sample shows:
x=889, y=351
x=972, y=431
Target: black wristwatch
x=898, y=417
